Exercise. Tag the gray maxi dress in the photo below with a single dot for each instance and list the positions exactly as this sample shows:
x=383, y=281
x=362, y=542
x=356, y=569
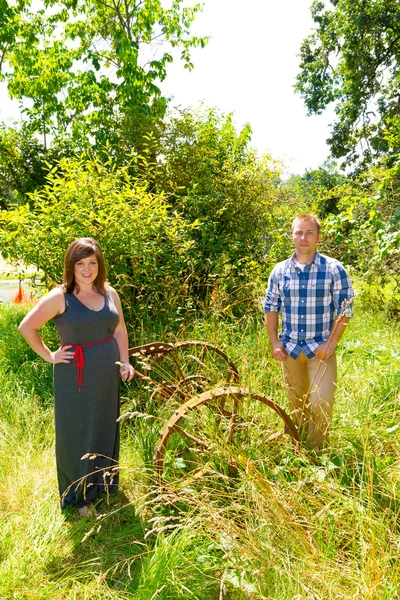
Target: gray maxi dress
x=86, y=416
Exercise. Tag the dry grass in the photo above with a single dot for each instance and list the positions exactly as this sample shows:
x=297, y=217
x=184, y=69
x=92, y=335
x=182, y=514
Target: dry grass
x=287, y=526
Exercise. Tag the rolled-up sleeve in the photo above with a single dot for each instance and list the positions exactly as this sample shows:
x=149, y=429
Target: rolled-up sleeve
x=343, y=293
x=272, y=302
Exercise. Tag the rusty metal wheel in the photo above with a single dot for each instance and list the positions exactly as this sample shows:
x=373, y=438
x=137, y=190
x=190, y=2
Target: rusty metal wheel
x=217, y=424
x=182, y=369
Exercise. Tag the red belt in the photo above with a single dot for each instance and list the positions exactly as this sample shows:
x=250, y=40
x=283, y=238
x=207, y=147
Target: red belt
x=79, y=358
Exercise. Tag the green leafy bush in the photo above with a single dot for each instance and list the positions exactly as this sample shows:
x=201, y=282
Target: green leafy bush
x=365, y=233
x=145, y=244
x=214, y=178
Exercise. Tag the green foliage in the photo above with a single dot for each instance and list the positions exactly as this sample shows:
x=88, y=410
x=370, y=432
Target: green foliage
x=19, y=362
x=352, y=59
x=314, y=188
x=194, y=216
x=214, y=178
x=145, y=245
x=23, y=165
x=365, y=233
x=86, y=66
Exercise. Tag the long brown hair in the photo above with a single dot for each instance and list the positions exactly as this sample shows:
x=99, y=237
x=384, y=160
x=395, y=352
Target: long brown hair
x=78, y=249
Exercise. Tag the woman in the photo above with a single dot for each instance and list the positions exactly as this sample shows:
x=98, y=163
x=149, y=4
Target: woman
x=88, y=316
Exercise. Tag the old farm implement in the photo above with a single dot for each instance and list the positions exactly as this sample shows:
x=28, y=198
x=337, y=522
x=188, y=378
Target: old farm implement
x=200, y=385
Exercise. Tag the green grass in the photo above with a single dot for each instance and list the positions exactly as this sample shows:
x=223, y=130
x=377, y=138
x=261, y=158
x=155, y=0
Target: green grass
x=287, y=525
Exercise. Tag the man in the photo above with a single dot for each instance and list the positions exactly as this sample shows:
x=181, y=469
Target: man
x=314, y=294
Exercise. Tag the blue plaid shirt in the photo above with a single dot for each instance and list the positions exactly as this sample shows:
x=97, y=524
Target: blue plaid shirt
x=308, y=301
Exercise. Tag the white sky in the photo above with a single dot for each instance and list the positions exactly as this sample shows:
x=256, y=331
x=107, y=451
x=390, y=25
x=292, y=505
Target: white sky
x=249, y=68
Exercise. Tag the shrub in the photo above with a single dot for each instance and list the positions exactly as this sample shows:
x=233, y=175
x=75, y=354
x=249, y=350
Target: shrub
x=146, y=245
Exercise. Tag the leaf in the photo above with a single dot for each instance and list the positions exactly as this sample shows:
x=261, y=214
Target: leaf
x=393, y=428
x=239, y=582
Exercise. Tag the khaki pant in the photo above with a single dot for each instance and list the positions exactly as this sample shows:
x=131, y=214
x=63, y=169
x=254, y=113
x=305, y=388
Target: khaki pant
x=311, y=386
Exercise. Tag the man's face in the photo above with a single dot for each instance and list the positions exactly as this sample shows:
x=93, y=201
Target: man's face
x=305, y=239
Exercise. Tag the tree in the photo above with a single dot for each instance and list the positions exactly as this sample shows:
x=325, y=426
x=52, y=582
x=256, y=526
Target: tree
x=314, y=188
x=199, y=219
x=213, y=177
x=24, y=163
x=88, y=66
x=353, y=60
x=365, y=233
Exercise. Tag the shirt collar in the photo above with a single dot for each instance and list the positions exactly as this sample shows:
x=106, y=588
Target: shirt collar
x=316, y=260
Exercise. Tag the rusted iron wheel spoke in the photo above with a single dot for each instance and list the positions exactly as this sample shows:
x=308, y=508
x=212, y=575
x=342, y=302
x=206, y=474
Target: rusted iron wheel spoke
x=238, y=395
x=183, y=368
x=191, y=437
x=180, y=371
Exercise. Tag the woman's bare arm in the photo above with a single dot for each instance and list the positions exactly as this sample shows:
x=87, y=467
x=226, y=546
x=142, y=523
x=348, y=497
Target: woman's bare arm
x=121, y=337
x=48, y=307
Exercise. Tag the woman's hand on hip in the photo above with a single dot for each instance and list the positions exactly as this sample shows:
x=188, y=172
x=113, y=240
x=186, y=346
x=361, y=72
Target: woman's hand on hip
x=62, y=355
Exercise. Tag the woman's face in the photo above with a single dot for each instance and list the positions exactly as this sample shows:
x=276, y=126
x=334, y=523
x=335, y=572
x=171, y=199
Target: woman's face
x=86, y=270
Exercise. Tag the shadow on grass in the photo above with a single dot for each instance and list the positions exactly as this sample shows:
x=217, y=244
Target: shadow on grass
x=108, y=549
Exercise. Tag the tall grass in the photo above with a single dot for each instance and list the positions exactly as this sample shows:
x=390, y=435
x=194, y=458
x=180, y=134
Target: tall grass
x=287, y=525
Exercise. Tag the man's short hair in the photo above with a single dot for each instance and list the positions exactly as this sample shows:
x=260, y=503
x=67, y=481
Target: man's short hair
x=308, y=217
